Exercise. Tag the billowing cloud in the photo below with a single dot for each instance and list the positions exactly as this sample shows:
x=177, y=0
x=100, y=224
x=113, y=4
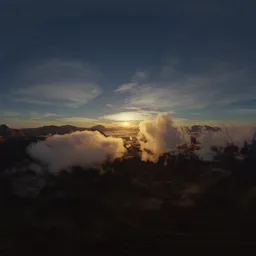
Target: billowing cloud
x=211, y=139
x=228, y=135
x=158, y=136
x=86, y=149
x=56, y=82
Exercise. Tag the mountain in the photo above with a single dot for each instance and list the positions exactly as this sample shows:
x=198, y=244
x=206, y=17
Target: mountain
x=98, y=127
x=53, y=129
x=200, y=128
x=196, y=128
x=7, y=132
x=210, y=128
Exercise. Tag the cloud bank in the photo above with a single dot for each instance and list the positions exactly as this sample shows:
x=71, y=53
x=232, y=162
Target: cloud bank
x=86, y=149
x=231, y=135
x=157, y=137
x=162, y=135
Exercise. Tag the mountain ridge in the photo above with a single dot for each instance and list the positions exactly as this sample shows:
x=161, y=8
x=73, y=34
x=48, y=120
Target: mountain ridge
x=7, y=132
x=53, y=129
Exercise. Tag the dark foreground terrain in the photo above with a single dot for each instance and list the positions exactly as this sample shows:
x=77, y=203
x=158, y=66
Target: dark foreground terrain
x=129, y=205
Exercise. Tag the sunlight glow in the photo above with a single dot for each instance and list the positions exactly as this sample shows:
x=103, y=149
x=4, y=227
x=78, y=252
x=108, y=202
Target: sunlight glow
x=126, y=124
x=129, y=116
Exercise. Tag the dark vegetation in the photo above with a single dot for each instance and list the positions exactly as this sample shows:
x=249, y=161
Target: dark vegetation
x=131, y=205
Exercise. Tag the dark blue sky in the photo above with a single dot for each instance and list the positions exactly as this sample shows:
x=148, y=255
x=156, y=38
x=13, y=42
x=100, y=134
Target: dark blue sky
x=77, y=61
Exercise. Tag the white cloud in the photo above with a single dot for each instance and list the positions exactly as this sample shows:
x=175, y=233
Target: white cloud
x=36, y=116
x=163, y=98
x=70, y=95
x=131, y=108
x=86, y=149
x=56, y=82
x=158, y=136
x=178, y=90
x=228, y=135
x=125, y=87
x=136, y=80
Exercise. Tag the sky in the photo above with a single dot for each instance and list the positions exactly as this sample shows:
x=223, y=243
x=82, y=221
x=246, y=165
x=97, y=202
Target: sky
x=109, y=62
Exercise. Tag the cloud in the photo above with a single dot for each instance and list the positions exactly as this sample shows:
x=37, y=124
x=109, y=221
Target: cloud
x=161, y=99
x=243, y=111
x=235, y=135
x=86, y=149
x=28, y=119
x=162, y=135
x=57, y=82
x=158, y=136
x=125, y=87
x=175, y=89
x=211, y=139
x=139, y=76
x=79, y=121
x=49, y=115
x=11, y=114
x=36, y=116
x=69, y=95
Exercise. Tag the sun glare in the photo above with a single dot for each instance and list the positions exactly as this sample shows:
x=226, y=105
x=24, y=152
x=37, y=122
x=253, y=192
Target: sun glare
x=126, y=124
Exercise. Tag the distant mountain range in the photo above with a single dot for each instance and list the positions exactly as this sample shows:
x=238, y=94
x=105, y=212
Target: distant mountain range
x=7, y=132
x=52, y=129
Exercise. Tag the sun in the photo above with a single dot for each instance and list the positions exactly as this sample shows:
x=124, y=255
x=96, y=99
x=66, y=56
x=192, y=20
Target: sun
x=126, y=124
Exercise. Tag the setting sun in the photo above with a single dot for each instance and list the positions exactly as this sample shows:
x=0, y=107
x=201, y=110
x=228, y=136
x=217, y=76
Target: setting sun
x=126, y=124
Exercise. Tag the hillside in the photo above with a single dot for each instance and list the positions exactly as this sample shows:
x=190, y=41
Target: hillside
x=52, y=129
x=98, y=127
x=6, y=132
